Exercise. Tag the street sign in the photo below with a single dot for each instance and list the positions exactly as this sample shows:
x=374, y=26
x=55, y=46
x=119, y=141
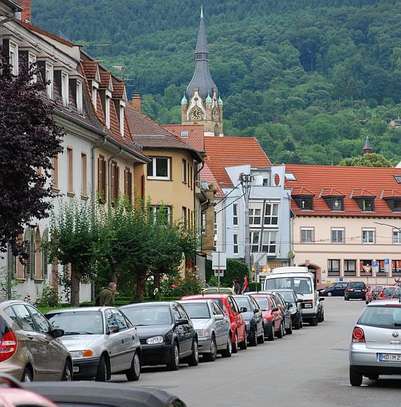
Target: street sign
x=375, y=266
x=219, y=273
x=387, y=266
x=219, y=261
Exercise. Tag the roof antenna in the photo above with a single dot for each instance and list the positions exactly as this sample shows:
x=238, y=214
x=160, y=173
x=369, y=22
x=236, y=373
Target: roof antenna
x=201, y=11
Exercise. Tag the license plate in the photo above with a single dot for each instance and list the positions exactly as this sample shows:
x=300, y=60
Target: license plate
x=75, y=369
x=358, y=291
x=308, y=306
x=389, y=357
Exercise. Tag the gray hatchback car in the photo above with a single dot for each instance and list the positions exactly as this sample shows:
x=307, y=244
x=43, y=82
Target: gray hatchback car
x=376, y=342
x=30, y=349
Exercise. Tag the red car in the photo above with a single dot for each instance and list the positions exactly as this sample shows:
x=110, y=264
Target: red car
x=372, y=293
x=230, y=307
x=272, y=316
x=387, y=293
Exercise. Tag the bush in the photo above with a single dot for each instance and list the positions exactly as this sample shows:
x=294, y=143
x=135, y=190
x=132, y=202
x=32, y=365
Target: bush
x=49, y=297
x=236, y=270
x=178, y=287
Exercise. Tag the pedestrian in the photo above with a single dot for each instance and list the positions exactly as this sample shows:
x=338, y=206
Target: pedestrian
x=107, y=295
x=245, y=286
x=236, y=287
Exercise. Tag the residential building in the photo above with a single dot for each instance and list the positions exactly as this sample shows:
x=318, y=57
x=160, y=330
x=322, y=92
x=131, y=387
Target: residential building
x=89, y=134
x=346, y=221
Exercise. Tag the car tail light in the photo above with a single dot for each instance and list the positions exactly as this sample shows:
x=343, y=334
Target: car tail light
x=8, y=345
x=358, y=336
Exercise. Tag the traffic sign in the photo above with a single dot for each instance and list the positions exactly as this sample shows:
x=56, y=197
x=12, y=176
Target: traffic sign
x=219, y=261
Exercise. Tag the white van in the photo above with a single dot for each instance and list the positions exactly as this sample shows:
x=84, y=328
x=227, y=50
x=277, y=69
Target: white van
x=302, y=281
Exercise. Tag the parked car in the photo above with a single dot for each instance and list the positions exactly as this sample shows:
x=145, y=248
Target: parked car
x=375, y=347
x=212, y=327
x=252, y=315
x=389, y=292
x=372, y=293
x=272, y=316
x=101, y=341
x=334, y=290
x=166, y=333
x=231, y=310
x=30, y=349
x=218, y=290
x=287, y=321
x=293, y=305
x=89, y=394
x=355, y=290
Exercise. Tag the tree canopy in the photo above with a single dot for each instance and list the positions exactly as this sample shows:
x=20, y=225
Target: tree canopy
x=367, y=160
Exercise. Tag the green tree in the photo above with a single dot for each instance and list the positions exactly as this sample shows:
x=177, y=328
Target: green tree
x=367, y=160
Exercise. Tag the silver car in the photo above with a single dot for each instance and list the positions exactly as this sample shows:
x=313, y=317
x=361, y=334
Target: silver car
x=376, y=342
x=212, y=327
x=101, y=341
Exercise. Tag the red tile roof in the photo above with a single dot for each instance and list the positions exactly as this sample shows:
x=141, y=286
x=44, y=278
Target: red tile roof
x=195, y=134
x=352, y=182
x=207, y=175
x=90, y=68
x=40, y=31
x=230, y=151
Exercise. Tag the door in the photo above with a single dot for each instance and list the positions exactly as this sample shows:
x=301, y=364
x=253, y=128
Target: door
x=238, y=319
x=221, y=324
x=188, y=328
x=180, y=332
x=258, y=316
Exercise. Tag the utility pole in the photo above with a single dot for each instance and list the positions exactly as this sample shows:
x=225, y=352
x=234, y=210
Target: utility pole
x=246, y=181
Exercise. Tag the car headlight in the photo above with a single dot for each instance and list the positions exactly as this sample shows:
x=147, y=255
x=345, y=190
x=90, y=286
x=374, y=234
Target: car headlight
x=78, y=354
x=155, y=340
x=203, y=333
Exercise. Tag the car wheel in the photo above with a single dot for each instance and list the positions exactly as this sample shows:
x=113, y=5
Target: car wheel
x=313, y=321
x=27, y=375
x=281, y=331
x=134, y=373
x=329, y=294
x=174, y=358
x=211, y=357
x=194, y=358
x=289, y=330
x=355, y=378
x=270, y=335
x=234, y=344
x=261, y=338
x=322, y=316
x=226, y=353
x=244, y=344
x=67, y=372
x=102, y=374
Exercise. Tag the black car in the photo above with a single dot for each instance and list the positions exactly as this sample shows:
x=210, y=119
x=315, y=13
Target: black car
x=334, y=290
x=355, y=290
x=166, y=333
x=293, y=305
x=253, y=318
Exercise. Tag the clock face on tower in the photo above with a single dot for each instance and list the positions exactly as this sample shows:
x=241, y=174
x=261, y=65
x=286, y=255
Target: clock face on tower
x=196, y=114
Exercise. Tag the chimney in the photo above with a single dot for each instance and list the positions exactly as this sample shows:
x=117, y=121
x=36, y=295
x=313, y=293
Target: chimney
x=136, y=102
x=26, y=14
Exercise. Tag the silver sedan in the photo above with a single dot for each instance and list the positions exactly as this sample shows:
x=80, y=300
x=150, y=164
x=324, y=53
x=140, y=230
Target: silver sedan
x=212, y=327
x=376, y=342
x=101, y=341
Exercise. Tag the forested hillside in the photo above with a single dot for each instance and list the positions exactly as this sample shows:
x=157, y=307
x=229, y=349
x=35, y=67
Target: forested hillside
x=309, y=78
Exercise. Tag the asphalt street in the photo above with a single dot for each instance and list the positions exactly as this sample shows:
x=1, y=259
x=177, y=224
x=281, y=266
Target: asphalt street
x=308, y=368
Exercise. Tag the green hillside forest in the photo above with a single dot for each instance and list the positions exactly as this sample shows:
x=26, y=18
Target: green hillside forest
x=310, y=78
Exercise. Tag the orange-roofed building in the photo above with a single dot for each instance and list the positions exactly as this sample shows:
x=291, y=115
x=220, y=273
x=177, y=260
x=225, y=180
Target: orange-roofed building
x=347, y=221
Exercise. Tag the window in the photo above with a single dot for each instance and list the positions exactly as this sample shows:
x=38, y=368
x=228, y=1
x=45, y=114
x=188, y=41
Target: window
x=159, y=168
x=396, y=236
x=24, y=318
x=41, y=323
x=235, y=214
x=350, y=266
x=307, y=235
x=32, y=63
x=128, y=184
x=235, y=243
x=94, y=94
x=161, y=213
x=49, y=78
x=79, y=100
x=122, y=120
x=101, y=178
x=184, y=216
x=394, y=204
x=184, y=133
x=107, y=109
x=333, y=267
x=271, y=214
x=368, y=236
x=338, y=235
x=366, y=204
x=396, y=266
x=255, y=216
x=266, y=182
x=13, y=58
x=191, y=176
x=70, y=171
x=305, y=202
x=335, y=203
x=184, y=171
x=397, y=179
x=365, y=266
x=269, y=242
x=255, y=241
x=55, y=170
x=64, y=88
x=84, y=175
x=115, y=181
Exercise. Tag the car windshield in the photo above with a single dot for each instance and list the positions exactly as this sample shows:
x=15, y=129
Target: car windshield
x=77, y=322
x=197, y=310
x=263, y=303
x=382, y=316
x=287, y=295
x=301, y=285
x=243, y=302
x=357, y=285
x=143, y=316
x=219, y=302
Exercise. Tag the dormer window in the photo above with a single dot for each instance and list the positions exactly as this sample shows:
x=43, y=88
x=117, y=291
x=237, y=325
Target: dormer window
x=304, y=202
x=394, y=204
x=13, y=57
x=49, y=79
x=95, y=87
x=107, y=108
x=366, y=204
x=122, y=118
x=79, y=95
x=335, y=203
x=65, y=88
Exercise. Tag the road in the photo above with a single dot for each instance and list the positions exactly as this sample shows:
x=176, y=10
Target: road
x=308, y=368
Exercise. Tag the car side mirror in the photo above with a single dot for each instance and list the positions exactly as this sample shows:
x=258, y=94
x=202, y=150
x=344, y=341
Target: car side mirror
x=114, y=329
x=57, y=333
x=219, y=317
x=321, y=299
x=243, y=309
x=255, y=311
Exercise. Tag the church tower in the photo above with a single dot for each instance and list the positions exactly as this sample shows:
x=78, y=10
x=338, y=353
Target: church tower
x=201, y=103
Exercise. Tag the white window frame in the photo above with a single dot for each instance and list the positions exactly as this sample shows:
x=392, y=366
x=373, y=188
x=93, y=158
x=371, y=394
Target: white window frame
x=272, y=214
x=154, y=175
x=335, y=272
x=396, y=236
x=255, y=212
x=368, y=231
x=307, y=229
x=235, y=243
x=79, y=96
x=122, y=119
x=95, y=87
x=107, y=108
x=65, y=94
x=254, y=240
x=334, y=235
x=235, y=214
x=49, y=78
x=155, y=208
x=269, y=240
x=13, y=57
x=31, y=62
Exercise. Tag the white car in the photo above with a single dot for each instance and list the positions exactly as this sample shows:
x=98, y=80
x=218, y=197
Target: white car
x=376, y=342
x=101, y=341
